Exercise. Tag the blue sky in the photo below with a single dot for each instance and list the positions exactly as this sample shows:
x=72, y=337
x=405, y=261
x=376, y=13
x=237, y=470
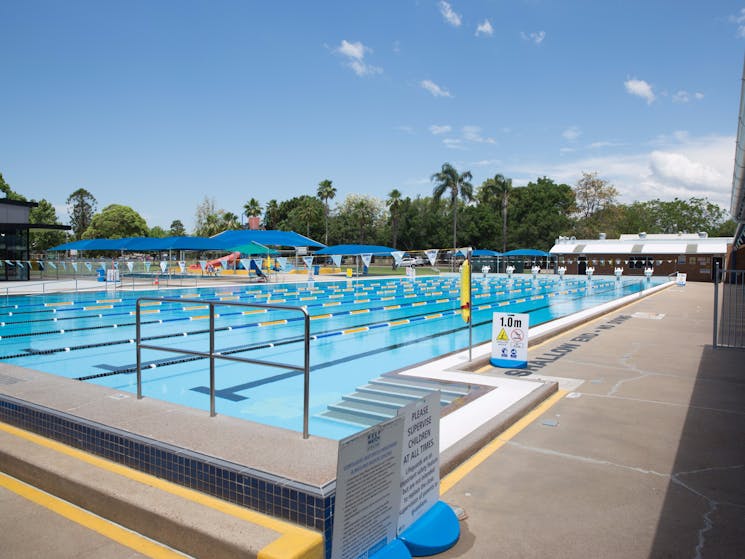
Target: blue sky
x=158, y=104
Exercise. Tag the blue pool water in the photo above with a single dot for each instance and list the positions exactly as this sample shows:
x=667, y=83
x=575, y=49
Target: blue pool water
x=360, y=330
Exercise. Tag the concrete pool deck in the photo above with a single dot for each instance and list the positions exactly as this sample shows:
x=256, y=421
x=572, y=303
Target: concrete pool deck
x=623, y=335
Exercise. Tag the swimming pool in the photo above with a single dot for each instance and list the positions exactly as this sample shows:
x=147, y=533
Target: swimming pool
x=360, y=329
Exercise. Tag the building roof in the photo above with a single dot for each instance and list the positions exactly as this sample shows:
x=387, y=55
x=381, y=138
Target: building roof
x=642, y=243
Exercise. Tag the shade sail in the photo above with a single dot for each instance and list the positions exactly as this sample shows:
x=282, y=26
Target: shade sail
x=351, y=250
x=266, y=238
x=525, y=252
x=252, y=249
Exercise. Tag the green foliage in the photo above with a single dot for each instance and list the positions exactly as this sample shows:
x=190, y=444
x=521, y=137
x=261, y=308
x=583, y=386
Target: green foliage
x=116, y=222
x=40, y=239
x=252, y=208
x=539, y=213
x=10, y=194
x=458, y=185
x=326, y=191
x=157, y=232
x=177, y=229
x=81, y=205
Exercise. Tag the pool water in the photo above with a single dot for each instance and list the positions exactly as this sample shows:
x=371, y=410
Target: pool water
x=359, y=330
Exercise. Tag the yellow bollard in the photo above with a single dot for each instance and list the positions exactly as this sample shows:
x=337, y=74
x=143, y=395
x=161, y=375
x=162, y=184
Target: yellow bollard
x=349, y=272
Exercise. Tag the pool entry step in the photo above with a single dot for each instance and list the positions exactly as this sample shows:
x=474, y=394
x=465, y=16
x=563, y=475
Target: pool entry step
x=380, y=398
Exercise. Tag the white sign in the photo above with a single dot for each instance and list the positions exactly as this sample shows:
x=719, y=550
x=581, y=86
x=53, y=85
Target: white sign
x=510, y=340
x=368, y=485
x=680, y=279
x=420, y=463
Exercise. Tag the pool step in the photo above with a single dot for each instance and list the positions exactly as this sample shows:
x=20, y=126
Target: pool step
x=381, y=399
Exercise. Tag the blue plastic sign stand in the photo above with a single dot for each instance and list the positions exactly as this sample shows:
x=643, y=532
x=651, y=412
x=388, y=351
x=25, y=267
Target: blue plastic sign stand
x=435, y=531
x=510, y=340
x=394, y=550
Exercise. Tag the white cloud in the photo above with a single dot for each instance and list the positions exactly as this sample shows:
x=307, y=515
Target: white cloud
x=640, y=88
x=534, y=36
x=572, y=133
x=739, y=19
x=566, y=150
x=404, y=128
x=485, y=28
x=450, y=16
x=685, y=167
x=440, y=129
x=355, y=56
x=604, y=144
x=486, y=163
x=681, y=96
x=434, y=89
x=473, y=134
x=698, y=96
x=453, y=143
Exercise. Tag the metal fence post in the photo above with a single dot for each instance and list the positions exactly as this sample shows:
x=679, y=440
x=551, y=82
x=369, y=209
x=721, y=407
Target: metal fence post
x=716, y=303
x=139, y=351
x=212, y=360
x=306, y=380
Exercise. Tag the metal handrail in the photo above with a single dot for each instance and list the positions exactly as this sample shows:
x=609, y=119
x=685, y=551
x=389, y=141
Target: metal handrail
x=212, y=355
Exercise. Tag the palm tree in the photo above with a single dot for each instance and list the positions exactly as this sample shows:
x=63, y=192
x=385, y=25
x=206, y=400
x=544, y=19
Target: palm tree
x=325, y=192
x=498, y=189
x=230, y=221
x=271, y=213
x=306, y=212
x=458, y=184
x=394, y=206
x=252, y=208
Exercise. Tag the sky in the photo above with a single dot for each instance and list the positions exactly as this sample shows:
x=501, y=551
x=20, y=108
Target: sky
x=156, y=105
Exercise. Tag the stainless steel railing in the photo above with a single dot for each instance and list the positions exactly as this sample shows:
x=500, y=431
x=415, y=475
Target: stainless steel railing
x=212, y=355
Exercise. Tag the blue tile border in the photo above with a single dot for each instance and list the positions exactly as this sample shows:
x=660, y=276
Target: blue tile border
x=290, y=500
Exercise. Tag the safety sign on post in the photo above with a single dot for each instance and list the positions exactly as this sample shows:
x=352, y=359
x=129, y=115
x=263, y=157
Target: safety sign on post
x=510, y=340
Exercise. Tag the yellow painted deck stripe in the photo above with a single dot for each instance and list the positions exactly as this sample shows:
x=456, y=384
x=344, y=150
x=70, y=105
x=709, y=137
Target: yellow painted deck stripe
x=321, y=316
x=295, y=543
x=96, y=307
x=93, y=522
x=469, y=465
x=273, y=322
x=355, y=330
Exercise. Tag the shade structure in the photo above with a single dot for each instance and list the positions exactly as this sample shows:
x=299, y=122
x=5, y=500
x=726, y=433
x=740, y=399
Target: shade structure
x=266, y=238
x=146, y=244
x=253, y=248
x=352, y=250
x=525, y=252
x=481, y=252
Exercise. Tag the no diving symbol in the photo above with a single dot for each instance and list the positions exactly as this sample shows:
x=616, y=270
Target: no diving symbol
x=517, y=335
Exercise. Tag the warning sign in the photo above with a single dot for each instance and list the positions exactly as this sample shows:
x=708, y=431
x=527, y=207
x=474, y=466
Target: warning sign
x=510, y=340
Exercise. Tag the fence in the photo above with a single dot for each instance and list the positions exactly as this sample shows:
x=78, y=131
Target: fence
x=729, y=308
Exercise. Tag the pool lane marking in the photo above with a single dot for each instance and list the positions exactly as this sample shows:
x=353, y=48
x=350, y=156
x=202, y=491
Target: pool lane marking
x=450, y=480
x=93, y=522
x=300, y=542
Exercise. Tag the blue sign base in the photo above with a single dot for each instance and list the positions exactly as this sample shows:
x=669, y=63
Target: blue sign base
x=436, y=531
x=508, y=363
x=394, y=550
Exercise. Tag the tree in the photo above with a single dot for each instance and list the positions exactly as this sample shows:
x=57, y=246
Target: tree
x=271, y=215
x=10, y=194
x=325, y=192
x=252, y=208
x=306, y=212
x=497, y=192
x=157, y=232
x=230, y=221
x=207, y=218
x=177, y=229
x=448, y=179
x=116, y=222
x=592, y=196
x=360, y=218
x=81, y=205
x=540, y=212
x=394, y=206
x=43, y=239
